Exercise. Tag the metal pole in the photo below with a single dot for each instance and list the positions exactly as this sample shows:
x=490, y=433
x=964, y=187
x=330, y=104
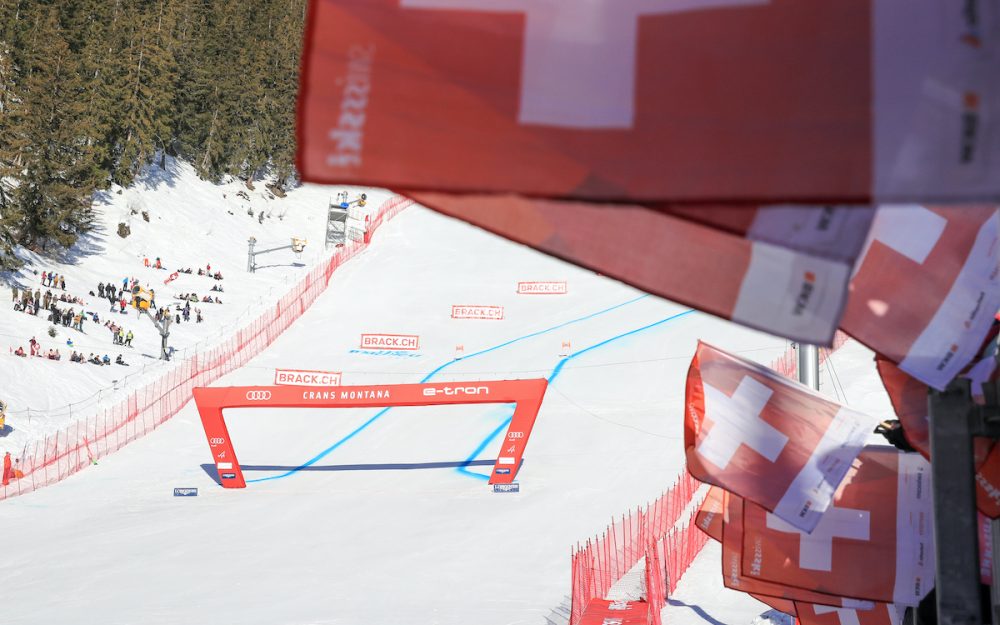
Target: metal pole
x=955, y=523
x=809, y=365
x=251, y=243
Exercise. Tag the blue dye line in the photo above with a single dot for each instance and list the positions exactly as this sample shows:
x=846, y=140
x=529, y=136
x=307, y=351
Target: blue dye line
x=438, y=370
x=555, y=373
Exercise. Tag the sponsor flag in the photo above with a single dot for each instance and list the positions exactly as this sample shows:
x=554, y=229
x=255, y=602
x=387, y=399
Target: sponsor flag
x=608, y=612
x=709, y=516
x=926, y=289
x=732, y=568
x=654, y=100
x=876, y=541
x=766, y=438
x=881, y=614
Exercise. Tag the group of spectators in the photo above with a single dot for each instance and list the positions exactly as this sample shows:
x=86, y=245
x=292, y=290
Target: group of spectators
x=54, y=280
x=35, y=349
x=94, y=359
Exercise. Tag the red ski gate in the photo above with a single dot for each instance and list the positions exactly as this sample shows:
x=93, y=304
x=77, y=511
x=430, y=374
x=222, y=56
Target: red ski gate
x=526, y=395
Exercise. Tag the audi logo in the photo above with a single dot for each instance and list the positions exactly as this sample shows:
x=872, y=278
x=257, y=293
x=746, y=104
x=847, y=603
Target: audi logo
x=513, y=435
x=217, y=441
x=258, y=395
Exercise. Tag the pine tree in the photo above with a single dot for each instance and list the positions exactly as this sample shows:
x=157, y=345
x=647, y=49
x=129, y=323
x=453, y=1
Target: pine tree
x=59, y=173
x=10, y=215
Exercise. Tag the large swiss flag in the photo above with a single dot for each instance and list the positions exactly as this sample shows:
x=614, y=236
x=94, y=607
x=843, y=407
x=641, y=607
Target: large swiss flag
x=875, y=542
x=766, y=438
x=927, y=288
x=733, y=575
x=654, y=100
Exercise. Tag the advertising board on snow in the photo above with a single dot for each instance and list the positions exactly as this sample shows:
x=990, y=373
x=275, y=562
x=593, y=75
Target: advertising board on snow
x=306, y=377
x=476, y=312
x=404, y=342
x=542, y=288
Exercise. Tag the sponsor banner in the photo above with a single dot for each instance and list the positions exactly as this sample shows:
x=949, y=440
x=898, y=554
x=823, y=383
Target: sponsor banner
x=224, y=466
x=395, y=342
x=608, y=611
x=542, y=288
x=875, y=542
x=513, y=487
x=229, y=476
x=477, y=312
x=764, y=437
x=185, y=492
x=306, y=377
x=709, y=516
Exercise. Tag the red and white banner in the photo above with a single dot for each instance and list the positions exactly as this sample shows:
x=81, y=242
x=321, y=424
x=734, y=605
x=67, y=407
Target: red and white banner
x=542, y=288
x=673, y=100
x=399, y=342
x=876, y=542
x=477, y=312
x=709, y=517
x=766, y=438
x=881, y=614
x=306, y=377
x=926, y=290
x=608, y=612
x=734, y=577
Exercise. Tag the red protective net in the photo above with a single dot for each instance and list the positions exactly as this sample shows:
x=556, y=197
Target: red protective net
x=84, y=441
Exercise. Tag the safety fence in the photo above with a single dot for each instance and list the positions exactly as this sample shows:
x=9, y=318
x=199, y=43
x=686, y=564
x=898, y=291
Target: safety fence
x=602, y=561
x=664, y=534
x=84, y=441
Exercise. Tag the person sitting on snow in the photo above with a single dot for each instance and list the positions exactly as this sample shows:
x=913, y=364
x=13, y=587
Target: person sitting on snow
x=20, y=352
x=120, y=361
x=106, y=360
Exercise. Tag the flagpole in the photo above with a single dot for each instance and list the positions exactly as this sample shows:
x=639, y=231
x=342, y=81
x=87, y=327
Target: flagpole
x=809, y=365
x=955, y=520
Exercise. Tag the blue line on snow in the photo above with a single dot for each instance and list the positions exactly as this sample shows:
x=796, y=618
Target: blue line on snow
x=441, y=368
x=555, y=373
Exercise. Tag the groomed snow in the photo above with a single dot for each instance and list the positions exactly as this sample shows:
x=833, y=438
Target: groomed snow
x=353, y=541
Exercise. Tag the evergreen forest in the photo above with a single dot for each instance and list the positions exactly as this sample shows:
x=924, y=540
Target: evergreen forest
x=93, y=91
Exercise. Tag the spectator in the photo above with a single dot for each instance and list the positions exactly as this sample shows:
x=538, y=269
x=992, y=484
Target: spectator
x=120, y=361
x=62, y=282
x=198, y=318
x=13, y=291
x=69, y=342
x=128, y=339
x=106, y=360
x=8, y=471
x=3, y=415
x=20, y=352
x=35, y=347
x=44, y=275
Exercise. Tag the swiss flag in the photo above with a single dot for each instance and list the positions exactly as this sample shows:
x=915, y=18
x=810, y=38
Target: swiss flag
x=881, y=614
x=653, y=100
x=909, y=401
x=874, y=543
x=927, y=288
x=732, y=568
x=766, y=438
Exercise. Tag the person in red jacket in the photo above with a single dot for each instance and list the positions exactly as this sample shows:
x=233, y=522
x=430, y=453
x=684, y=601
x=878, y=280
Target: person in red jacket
x=8, y=472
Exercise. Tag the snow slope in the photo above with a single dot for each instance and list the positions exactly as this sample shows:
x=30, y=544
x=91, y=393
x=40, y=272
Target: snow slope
x=192, y=223
x=368, y=533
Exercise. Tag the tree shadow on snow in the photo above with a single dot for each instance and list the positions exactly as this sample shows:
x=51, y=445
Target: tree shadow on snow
x=212, y=471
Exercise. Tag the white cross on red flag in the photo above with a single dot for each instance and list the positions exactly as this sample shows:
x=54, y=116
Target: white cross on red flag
x=766, y=438
x=925, y=292
x=881, y=614
x=874, y=543
x=734, y=577
x=653, y=100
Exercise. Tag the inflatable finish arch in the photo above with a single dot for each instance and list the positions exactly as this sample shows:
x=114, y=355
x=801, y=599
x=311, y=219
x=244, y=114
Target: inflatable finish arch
x=525, y=394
